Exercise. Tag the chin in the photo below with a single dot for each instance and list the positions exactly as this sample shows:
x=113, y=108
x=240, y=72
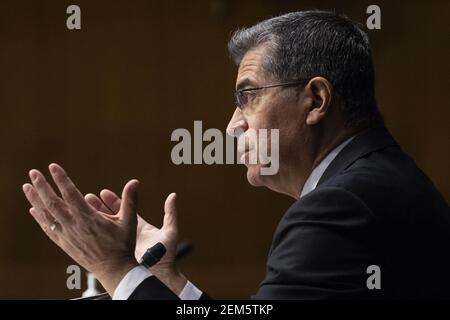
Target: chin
x=254, y=176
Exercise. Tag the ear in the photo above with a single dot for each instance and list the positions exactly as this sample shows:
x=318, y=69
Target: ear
x=320, y=91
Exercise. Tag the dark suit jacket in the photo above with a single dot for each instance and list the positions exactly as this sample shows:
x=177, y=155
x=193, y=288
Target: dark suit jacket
x=372, y=206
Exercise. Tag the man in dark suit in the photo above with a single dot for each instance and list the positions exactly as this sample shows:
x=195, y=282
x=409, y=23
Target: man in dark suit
x=366, y=223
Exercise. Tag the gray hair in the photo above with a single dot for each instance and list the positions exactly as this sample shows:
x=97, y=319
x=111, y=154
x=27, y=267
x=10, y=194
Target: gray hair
x=302, y=45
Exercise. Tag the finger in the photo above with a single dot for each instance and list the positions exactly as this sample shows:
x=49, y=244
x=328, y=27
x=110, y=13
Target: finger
x=96, y=203
x=170, y=211
x=54, y=235
x=43, y=224
x=111, y=200
x=37, y=204
x=51, y=201
x=93, y=201
x=33, y=198
x=128, y=206
x=68, y=190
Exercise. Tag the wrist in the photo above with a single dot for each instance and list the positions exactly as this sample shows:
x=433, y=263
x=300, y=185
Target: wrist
x=170, y=276
x=109, y=274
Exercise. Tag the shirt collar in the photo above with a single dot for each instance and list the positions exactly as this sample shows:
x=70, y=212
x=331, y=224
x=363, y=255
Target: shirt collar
x=318, y=171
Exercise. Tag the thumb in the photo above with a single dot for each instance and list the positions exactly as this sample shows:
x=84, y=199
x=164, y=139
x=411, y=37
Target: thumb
x=170, y=211
x=128, y=206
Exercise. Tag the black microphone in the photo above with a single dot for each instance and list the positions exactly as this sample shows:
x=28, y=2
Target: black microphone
x=153, y=255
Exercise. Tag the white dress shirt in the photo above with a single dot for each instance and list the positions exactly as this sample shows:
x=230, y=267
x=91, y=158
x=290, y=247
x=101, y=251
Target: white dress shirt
x=318, y=171
x=134, y=278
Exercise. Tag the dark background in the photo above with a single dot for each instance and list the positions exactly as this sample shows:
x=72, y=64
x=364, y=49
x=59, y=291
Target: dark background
x=104, y=100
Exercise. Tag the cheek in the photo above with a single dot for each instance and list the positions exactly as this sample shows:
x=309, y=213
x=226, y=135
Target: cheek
x=267, y=119
x=290, y=122
x=284, y=116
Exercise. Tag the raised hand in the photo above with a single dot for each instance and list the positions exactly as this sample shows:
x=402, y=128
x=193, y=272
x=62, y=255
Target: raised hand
x=103, y=244
x=147, y=235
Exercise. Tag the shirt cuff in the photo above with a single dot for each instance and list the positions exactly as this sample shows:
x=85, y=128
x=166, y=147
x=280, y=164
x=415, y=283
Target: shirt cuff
x=138, y=274
x=190, y=292
x=130, y=282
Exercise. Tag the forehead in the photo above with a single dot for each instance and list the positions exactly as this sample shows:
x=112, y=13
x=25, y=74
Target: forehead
x=250, y=71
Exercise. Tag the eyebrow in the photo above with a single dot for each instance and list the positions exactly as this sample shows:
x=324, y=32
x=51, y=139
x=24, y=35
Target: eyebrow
x=244, y=83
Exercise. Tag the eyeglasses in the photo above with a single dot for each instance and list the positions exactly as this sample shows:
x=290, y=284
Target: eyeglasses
x=241, y=96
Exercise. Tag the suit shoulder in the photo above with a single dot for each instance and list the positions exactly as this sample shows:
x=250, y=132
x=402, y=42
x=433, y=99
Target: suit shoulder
x=329, y=207
x=390, y=184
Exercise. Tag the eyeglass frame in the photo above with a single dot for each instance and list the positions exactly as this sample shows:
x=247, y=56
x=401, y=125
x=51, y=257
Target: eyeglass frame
x=240, y=91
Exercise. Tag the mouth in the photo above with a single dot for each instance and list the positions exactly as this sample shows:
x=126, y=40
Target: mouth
x=245, y=157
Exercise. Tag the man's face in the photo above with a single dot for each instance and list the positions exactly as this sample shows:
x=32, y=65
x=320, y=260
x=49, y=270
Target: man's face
x=270, y=108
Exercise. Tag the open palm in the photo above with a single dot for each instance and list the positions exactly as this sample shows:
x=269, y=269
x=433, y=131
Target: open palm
x=147, y=234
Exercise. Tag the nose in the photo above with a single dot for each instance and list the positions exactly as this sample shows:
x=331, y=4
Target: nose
x=237, y=124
